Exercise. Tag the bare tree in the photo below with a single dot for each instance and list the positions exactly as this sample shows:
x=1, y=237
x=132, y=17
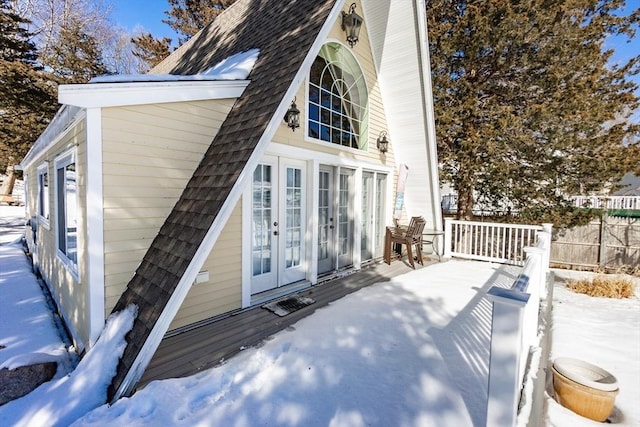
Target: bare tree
x=49, y=18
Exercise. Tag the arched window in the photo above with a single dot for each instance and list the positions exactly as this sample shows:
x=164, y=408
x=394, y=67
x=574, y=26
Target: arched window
x=337, y=98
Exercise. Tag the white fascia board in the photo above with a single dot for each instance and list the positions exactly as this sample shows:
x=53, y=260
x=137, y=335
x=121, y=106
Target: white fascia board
x=139, y=93
x=177, y=298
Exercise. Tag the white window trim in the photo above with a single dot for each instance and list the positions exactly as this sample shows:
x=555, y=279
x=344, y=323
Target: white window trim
x=63, y=160
x=43, y=220
x=363, y=138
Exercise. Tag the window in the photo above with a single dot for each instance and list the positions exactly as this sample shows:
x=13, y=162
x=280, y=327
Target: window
x=337, y=98
x=43, y=193
x=66, y=206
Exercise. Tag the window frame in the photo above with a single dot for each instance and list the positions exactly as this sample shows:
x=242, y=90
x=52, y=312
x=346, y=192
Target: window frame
x=360, y=82
x=61, y=210
x=44, y=198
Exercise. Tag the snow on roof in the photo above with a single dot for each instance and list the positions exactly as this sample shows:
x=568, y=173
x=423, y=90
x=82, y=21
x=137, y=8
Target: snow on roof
x=235, y=67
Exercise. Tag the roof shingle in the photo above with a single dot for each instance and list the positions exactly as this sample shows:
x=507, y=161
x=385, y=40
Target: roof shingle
x=284, y=32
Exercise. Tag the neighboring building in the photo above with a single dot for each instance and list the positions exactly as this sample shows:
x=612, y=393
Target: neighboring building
x=630, y=186
x=191, y=197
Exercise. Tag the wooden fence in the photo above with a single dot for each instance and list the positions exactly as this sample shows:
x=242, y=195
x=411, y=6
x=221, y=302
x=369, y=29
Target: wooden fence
x=611, y=243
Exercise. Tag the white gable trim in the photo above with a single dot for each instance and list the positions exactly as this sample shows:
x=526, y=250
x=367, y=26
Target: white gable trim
x=405, y=86
x=137, y=93
x=432, y=152
x=172, y=307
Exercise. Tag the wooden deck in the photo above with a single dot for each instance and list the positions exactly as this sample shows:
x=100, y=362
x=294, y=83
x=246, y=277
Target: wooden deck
x=208, y=345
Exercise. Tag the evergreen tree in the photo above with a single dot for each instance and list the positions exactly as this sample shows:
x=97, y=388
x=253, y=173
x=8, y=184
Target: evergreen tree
x=187, y=17
x=528, y=111
x=28, y=100
x=151, y=50
x=76, y=56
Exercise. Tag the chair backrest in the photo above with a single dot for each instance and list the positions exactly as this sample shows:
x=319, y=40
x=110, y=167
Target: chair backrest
x=415, y=228
x=417, y=235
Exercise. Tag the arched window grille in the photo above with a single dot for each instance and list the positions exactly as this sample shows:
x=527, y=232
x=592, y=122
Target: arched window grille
x=337, y=98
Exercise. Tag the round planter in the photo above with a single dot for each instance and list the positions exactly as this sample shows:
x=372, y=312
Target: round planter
x=586, y=389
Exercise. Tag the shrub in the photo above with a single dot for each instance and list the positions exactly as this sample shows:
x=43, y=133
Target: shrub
x=604, y=286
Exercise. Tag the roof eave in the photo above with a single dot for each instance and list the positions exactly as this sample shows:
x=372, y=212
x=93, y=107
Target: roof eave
x=61, y=123
x=97, y=95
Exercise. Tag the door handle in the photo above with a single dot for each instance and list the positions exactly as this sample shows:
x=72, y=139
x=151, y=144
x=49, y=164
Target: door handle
x=275, y=224
x=331, y=227
x=275, y=233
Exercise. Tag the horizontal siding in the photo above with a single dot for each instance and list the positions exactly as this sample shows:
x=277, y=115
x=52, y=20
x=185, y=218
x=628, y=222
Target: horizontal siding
x=223, y=292
x=70, y=293
x=149, y=154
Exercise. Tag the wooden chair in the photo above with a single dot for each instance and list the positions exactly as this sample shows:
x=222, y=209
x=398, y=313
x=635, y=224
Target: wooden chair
x=410, y=236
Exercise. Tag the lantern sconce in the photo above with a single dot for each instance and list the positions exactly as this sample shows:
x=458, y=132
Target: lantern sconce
x=292, y=116
x=382, y=142
x=351, y=23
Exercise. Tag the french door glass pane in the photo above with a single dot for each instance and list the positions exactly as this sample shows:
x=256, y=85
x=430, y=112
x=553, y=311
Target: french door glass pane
x=262, y=220
x=323, y=215
x=344, y=232
x=367, y=215
x=293, y=208
x=381, y=185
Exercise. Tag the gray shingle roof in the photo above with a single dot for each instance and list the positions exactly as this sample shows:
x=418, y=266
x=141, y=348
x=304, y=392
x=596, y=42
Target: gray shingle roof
x=284, y=32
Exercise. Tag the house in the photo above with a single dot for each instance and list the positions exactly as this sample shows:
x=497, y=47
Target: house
x=192, y=197
x=630, y=186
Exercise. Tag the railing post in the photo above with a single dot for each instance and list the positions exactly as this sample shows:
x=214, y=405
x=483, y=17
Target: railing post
x=504, y=360
x=447, y=238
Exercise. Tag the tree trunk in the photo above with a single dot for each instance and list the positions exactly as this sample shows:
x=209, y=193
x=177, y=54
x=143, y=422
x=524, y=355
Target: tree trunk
x=465, y=203
x=9, y=182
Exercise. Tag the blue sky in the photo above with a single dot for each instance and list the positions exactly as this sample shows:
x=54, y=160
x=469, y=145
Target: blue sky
x=146, y=13
x=150, y=13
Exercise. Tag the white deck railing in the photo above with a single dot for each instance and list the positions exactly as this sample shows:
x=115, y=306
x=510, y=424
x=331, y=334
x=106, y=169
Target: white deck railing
x=514, y=334
x=488, y=241
x=607, y=202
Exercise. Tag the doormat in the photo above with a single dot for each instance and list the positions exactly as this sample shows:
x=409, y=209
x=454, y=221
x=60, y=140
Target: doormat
x=288, y=305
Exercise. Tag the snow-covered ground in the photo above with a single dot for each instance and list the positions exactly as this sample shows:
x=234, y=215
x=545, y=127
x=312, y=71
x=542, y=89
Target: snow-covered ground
x=413, y=351
x=604, y=332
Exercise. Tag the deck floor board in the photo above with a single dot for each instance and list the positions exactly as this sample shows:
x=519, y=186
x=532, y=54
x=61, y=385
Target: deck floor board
x=207, y=345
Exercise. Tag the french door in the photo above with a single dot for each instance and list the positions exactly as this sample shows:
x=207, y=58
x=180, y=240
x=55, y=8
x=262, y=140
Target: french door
x=372, y=220
x=335, y=218
x=278, y=224
x=346, y=190
x=326, y=226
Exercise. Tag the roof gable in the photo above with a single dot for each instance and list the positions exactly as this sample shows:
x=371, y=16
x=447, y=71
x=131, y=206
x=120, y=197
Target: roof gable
x=248, y=24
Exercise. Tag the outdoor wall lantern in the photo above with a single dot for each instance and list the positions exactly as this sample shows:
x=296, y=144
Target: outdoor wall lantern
x=292, y=117
x=351, y=23
x=383, y=142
